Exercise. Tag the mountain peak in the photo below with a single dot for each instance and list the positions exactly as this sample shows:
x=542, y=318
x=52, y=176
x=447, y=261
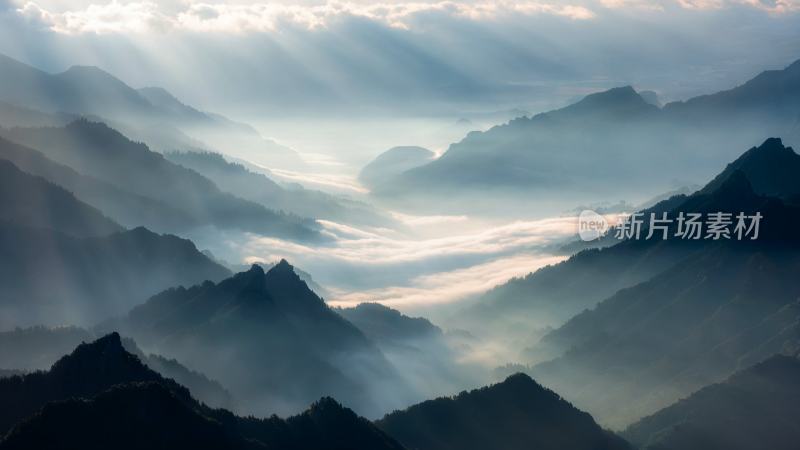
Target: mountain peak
x=619, y=101
x=771, y=170
x=256, y=269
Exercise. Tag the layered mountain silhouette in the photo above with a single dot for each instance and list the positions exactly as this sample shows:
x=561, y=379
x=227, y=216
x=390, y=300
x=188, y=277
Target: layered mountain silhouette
x=123, y=207
x=102, y=153
x=150, y=113
x=53, y=278
x=755, y=408
x=259, y=188
x=38, y=348
x=554, y=294
x=32, y=201
x=102, y=396
x=383, y=324
x=602, y=147
x=515, y=414
x=271, y=340
x=430, y=360
x=721, y=304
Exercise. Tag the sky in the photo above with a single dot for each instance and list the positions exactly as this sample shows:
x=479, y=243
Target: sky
x=413, y=58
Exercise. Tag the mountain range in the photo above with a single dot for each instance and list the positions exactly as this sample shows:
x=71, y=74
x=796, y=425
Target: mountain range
x=50, y=238
x=101, y=396
x=150, y=113
x=754, y=408
x=257, y=187
x=271, y=340
x=720, y=306
x=605, y=146
x=98, y=151
x=515, y=414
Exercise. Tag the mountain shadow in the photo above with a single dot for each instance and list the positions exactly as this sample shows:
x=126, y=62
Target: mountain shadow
x=753, y=409
x=515, y=414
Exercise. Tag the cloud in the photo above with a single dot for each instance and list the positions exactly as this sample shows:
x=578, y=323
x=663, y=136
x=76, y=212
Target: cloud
x=119, y=16
x=408, y=271
x=112, y=17
x=130, y=17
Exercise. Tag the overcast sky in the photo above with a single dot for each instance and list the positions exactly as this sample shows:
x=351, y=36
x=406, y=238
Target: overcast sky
x=414, y=57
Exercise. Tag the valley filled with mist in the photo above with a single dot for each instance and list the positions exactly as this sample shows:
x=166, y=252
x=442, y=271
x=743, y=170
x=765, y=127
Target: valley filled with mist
x=422, y=226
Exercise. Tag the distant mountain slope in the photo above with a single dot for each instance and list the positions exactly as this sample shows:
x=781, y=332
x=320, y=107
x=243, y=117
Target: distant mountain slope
x=32, y=201
x=102, y=396
x=238, y=180
x=513, y=415
x=392, y=163
x=691, y=325
x=38, y=348
x=153, y=113
x=754, y=409
x=769, y=93
x=95, y=150
x=771, y=168
x=51, y=278
x=602, y=147
x=381, y=323
x=554, y=294
x=270, y=339
x=126, y=208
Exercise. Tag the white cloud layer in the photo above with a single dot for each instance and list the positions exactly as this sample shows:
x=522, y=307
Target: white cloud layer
x=119, y=16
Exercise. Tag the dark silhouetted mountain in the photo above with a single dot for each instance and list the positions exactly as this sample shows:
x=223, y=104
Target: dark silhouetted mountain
x=754, y=409
x=131, y=416
x=95, y=150
x=693, y=324
x=124, y=207
x=269, y=339
x=392, y=163
x=553, y=294
x=33, y=201
x=38, y=348
x=515, y=414
x=47, y=277
x=256, y=187
x=102, y=396
x=88, y=370
x=771, y=168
